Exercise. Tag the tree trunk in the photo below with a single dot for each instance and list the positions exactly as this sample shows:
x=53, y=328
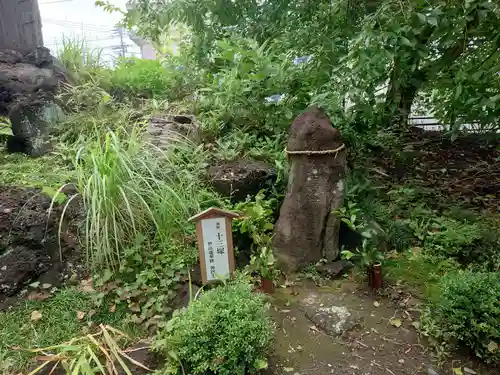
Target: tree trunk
x=400, y=96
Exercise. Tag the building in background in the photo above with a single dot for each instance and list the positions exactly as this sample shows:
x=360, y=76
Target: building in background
x=148, y=52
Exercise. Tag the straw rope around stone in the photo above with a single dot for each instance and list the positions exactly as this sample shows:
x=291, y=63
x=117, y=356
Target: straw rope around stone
x=311, y=152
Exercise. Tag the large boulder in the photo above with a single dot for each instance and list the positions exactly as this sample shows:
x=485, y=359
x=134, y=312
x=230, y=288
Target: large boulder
x=240, y=178
x=307, y=230
x=163, y=130
x=31, y=123
x=28, y=85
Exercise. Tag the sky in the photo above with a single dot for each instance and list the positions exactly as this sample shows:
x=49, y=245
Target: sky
x=82, y=19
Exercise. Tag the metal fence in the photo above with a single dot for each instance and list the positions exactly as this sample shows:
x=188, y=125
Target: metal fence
x=430, y=123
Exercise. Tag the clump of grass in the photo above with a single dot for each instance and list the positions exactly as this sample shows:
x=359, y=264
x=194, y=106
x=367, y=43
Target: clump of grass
x=81, y=60
x=133, y=190
x=59, y=322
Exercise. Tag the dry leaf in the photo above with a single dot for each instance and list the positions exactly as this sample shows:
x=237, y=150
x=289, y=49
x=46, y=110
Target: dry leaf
x=314, y=328
x=46, y=286
x=416, y=325
x=469, y=371
x=36, y=315
x=35, y=296
x=376, y=304
x=80, y=315
x=135, y=307
x=492, y=346
x=288, y=369
x=396, y=322
x=86, y=286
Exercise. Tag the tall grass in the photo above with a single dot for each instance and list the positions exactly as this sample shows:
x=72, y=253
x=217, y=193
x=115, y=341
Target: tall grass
x=77, y=56
x=132, y=191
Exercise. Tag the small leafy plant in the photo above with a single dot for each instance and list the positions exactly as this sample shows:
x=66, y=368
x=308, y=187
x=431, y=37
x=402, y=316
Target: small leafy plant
x=226, y=331
x=264, y=263
x=367, y=256
x=256, y=222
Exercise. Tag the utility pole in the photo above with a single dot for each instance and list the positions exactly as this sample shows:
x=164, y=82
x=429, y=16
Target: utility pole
x=122, y=47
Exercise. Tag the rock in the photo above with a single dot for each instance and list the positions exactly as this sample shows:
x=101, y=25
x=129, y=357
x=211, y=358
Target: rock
x=31, y=123
x=430, y=371
x=164, y=130
x=22, y=265
x=28, y=80
x=333, y=269
x=10, y=56
x=306, y=230
x=334, y=320
x=238, y=179
x=34, y=76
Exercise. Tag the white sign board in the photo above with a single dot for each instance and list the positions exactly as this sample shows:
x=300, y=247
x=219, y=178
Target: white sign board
x=215, y=248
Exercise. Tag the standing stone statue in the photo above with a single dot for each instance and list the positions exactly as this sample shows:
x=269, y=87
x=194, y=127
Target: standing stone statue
x=306, y=230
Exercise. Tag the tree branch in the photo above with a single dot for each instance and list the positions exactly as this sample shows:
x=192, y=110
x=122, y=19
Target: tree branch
x=432, y=68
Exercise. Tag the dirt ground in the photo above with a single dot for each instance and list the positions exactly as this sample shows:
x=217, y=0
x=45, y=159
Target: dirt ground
x=464, y=171
x=31, y=247
x=382, y=341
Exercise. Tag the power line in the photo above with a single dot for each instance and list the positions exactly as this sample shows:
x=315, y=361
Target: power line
x=54, y=2
x=81, y=26
x=76, y=23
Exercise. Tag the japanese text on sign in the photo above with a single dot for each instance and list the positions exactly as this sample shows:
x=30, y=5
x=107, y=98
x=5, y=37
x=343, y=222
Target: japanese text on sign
x=215, y=247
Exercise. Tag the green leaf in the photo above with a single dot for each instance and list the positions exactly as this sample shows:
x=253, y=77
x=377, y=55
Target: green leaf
x=422, y=17
x=260, y=364
x=406, y=42
x=431, y=20
x=396, y=322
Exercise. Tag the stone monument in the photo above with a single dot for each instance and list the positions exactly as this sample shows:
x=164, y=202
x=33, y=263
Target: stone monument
x=307, y=230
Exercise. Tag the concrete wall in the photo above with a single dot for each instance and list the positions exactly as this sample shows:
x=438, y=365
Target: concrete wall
x=20, y=25
x=148, y=52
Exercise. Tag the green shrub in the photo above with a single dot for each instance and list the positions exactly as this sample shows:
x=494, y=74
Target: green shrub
x=227, y=331
x=253, y=87
x=466, y=314
x=152, y=79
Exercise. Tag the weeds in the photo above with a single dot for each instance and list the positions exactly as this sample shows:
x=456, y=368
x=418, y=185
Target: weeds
x=82, y=61
x=132, y=190
x=59, y=322
x=99, y=352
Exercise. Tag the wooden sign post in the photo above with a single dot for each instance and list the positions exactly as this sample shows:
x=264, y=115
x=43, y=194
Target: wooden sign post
x=215, y=243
